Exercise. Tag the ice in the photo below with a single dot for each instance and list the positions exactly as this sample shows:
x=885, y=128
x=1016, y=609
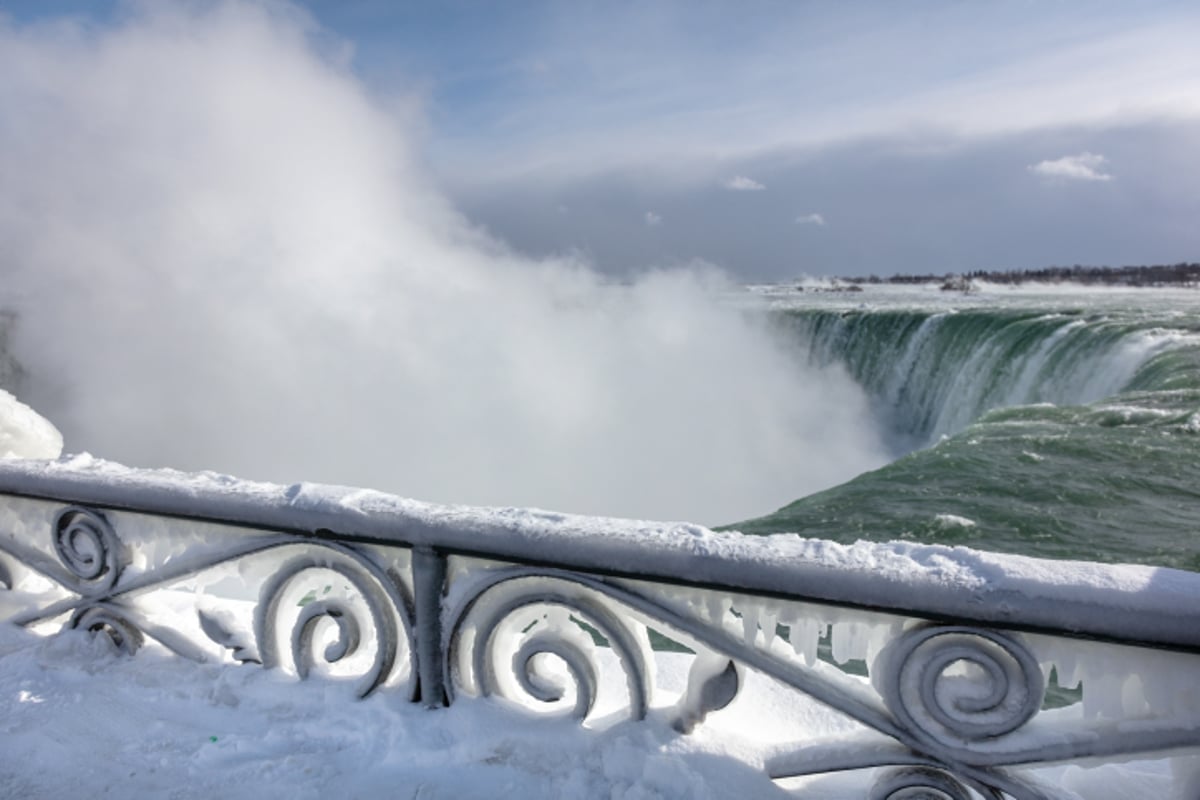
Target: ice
x=1123, y=682
x=805, y=633
x=24, y=433
x=750, y=624
x=768, y=622
x=847, y=642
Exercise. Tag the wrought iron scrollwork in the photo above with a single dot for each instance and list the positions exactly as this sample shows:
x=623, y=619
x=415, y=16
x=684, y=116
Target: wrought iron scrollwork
x=941, y=723
x=374, y=610
x=530, y=618
x=952, y=712
x=917, y=783
x=365, y=626
x=90, y=550
x=105, y=618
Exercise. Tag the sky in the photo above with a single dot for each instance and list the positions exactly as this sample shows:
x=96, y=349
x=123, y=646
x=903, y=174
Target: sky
x=781, y=139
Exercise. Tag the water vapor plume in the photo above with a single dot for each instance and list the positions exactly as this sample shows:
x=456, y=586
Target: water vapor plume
x=224, y=254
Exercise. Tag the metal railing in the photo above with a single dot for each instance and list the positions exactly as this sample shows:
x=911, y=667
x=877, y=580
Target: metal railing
x=962, y=673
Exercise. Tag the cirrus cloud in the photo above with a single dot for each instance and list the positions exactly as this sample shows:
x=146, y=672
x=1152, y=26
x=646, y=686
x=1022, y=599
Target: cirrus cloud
x=811, y=219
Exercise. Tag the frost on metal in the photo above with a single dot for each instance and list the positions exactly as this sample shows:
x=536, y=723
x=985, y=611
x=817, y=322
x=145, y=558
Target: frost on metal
x=960, y=673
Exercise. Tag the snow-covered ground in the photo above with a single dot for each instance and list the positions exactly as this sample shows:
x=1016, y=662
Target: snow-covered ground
x=78, y=719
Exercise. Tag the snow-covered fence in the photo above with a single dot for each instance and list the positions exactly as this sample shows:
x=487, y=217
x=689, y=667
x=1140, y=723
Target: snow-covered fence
x=960, y=674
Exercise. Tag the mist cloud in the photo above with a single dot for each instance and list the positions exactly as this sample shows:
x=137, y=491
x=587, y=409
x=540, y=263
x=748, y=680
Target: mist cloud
x=224, y=255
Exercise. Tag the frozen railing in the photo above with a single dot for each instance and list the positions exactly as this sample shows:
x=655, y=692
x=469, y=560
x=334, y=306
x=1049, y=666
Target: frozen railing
x=959, y=674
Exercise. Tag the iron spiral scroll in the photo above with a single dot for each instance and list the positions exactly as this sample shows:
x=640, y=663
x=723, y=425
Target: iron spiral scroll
x=88, y=547
x=950, y=715
x=529, y=617
x=918, y=783
x=94, y=557
x=371, y=621
x=376, y=605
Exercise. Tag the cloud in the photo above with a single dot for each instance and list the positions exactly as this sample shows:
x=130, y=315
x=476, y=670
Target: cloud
x=1083, y=167
x=653, y=219
x=741, y=183
x=998, y=73
x=811, y=219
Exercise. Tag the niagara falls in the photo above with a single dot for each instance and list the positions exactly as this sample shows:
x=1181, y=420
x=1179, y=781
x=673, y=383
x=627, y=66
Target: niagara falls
x=599, y=400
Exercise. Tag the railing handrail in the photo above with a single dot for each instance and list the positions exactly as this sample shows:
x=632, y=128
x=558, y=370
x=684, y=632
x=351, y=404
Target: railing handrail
x=1126, y=604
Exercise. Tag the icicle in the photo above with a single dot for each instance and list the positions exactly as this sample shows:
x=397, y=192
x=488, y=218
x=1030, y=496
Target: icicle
x=1133, y=696
x=717, y=605
x=750, y=619
x=850, y=641
x=1102, y=693
x=769, y=621
x=878, y=637
x=804, y=631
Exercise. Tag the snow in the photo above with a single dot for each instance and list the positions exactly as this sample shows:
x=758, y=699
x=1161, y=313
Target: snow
x=24, y=433
x=1151, y=604
x=76, y=716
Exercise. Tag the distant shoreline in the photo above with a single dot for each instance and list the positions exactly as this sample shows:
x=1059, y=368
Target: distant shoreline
x=1182, y=274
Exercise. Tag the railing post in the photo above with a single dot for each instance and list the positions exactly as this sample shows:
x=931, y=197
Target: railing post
x=429, y=583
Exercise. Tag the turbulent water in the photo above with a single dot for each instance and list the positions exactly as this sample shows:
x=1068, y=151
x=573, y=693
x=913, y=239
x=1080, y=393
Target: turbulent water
x=1062, y=423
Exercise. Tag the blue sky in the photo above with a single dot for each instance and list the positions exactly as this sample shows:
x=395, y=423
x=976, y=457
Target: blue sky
x=783, y=138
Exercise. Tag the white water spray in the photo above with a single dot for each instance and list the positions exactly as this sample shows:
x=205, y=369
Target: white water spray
x=224, y=255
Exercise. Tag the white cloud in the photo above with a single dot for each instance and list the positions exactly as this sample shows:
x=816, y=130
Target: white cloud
x=1083, y=167
x=653, y=219
x=1121, y=69
x=741, y=183
x=811, y=219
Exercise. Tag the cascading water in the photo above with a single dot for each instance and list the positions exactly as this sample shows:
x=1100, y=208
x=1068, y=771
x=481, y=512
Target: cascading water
x=931, y=373
x=1061, y=425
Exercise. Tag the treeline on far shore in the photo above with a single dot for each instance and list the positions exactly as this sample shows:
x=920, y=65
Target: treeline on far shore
x=1181, y=274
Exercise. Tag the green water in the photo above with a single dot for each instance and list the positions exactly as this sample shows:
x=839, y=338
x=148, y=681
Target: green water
x=1064, y=425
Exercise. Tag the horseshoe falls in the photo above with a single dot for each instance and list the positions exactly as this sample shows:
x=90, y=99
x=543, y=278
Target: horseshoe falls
x=1059, y=422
